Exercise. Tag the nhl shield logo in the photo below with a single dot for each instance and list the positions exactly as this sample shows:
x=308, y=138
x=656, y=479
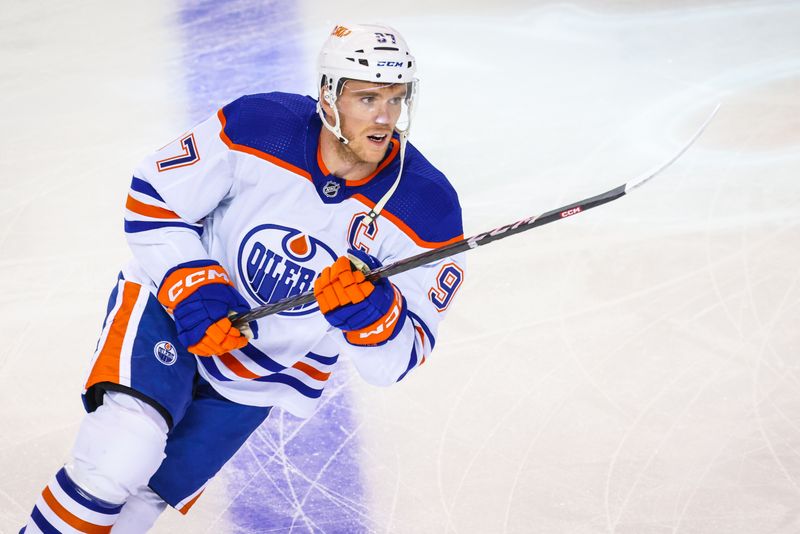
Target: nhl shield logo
x=165, y=352
x=331, y=188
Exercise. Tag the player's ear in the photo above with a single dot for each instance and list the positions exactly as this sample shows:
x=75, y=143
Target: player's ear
x=324, y=100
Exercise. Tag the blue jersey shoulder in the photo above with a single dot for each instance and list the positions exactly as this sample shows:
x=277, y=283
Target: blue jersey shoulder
x=278, y=124
x=425, y=201
x=273, y=123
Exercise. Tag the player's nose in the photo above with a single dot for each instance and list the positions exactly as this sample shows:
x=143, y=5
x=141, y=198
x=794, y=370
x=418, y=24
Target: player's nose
x=382, y=113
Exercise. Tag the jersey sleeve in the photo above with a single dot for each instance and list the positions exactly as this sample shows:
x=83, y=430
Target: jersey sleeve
x=429, y=292
x=171, y=193
x=426, y=213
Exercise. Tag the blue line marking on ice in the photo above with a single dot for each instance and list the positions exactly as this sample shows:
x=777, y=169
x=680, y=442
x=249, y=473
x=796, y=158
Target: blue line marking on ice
x=240, y=47
x=291, y=473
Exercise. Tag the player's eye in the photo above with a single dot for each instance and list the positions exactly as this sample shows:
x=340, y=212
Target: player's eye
x=396, y=101
x=368, y=99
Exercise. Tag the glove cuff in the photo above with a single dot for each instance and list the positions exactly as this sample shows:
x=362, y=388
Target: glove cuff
x=385, y=328
x=184, y=279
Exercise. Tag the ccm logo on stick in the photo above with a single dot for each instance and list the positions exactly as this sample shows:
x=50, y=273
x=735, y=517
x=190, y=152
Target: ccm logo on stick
x=573, y=211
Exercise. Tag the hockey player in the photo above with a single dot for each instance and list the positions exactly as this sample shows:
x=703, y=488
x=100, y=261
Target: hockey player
x=270, y=197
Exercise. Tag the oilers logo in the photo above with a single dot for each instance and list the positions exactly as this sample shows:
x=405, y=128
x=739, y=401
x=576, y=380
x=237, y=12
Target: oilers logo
x=165, y=352
x=276, y=262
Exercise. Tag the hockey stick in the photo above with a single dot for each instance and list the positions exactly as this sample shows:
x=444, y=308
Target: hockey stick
x=479, y=240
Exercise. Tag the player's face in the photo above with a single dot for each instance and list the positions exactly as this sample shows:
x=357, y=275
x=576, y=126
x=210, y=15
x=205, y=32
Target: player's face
x=369, y=112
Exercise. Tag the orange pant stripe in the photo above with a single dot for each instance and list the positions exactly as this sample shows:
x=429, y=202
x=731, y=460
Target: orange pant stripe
x=185, y=509
x=107, y=365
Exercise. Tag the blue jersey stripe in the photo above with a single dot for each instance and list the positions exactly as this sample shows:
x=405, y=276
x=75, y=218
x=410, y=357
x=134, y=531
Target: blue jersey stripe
x=140, y=186
x=292, y=382
x=133, y=227
x=261, y=359
x=94, y=505
x=209, y=365
x=325, y=360
x=411, y=363
x=425, y=328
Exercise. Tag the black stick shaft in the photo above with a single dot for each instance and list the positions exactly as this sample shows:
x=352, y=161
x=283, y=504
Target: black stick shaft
x=436, y=254
x=479, y=240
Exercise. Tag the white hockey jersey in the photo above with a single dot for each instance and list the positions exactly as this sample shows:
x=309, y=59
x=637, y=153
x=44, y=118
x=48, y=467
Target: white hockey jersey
x=248, y=188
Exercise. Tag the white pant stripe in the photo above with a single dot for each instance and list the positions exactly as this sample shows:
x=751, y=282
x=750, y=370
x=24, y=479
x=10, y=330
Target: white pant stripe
x=130, y=336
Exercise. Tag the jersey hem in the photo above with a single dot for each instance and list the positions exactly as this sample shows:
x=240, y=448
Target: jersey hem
x=246, y=399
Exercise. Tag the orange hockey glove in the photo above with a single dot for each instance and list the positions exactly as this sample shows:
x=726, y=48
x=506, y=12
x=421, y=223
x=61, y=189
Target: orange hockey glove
x=369, y=314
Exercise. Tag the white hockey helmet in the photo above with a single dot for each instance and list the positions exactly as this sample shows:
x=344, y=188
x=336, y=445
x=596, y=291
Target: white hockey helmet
x=370, y=53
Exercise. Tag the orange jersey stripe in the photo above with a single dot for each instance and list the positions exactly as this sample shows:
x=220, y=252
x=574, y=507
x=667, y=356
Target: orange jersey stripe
x=258, y=153
x=407, y=229
x=71, y=519
x=320, y=161
x=236, y=366
x=354, y=183
x=149, y=211
x=107, y=365
x=189, y=504
x=311, y=371
x=421, y=335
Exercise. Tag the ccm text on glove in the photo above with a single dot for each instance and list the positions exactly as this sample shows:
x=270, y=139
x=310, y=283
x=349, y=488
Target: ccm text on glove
x=200, y=296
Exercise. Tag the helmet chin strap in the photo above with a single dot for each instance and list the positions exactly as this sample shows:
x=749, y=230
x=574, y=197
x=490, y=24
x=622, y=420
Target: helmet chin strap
x=375, y=212
x=335, y=130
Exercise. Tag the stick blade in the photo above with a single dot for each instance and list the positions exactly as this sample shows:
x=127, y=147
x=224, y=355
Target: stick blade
x=646, y=177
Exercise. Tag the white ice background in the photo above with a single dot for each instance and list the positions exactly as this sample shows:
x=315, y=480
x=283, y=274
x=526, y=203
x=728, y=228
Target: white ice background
x=633, y=369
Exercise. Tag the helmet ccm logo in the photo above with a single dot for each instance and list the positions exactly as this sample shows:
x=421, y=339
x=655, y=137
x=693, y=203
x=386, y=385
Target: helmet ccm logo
x=390, y=63
x=340, y=31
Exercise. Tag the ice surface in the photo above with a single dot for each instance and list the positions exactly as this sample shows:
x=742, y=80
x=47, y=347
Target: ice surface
x=633, y=369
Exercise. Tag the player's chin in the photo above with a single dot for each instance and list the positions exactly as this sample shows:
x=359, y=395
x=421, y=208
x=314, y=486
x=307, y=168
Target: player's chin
x=371, y=154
